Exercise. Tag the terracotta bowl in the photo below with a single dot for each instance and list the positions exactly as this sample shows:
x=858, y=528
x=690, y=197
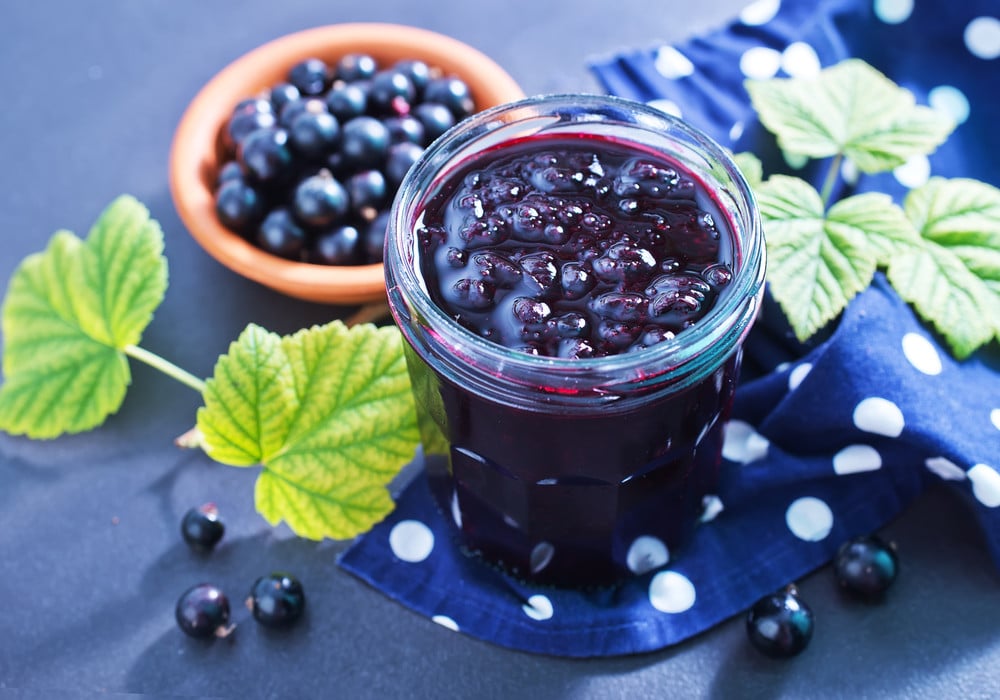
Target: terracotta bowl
x=194, y=160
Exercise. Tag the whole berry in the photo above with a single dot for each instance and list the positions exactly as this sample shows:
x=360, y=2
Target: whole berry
x=320, y=200
x=281, y=235
x=364, y=142
x=314, y=134
x=780, y=625
x=239, y=206
x=203, y=611
x=309, y=76
x=866, y=567
x=265, y=155
x=340, y=245
x=355, y=66
x=276, y=600
x=201, y=527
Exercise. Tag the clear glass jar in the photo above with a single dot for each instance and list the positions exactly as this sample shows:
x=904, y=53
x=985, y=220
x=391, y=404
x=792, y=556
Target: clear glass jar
x=575, y=472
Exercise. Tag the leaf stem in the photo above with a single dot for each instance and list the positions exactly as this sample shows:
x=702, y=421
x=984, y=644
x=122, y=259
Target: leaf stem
x=831, y=179
x=165, y=366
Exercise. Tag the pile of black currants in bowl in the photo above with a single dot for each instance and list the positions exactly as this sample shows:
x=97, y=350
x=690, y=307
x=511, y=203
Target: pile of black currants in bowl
x=310, y=167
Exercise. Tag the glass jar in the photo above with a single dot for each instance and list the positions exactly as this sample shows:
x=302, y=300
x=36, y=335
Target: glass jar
x=575, y=472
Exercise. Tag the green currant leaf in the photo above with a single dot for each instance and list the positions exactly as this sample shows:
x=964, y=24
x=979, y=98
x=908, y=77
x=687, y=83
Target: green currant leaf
x=851, y=109
x=69, y=315
x=883, y=222
x=751, y=167
x=328, y=412
x=953, y=277
x=816, y=263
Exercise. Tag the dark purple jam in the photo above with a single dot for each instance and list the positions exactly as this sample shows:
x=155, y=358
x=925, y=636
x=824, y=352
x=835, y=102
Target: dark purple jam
x=573, y=247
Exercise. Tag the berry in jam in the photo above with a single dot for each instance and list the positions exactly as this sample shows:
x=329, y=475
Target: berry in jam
x=573, y=247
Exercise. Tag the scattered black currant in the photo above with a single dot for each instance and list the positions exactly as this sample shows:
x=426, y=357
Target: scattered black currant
x=866, y=567
x=363, y=123
x=203, y=611
x=276, y=600
x=201, y=527
x=780, y=625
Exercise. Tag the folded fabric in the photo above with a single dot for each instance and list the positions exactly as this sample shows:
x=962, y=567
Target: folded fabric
x=828, y=440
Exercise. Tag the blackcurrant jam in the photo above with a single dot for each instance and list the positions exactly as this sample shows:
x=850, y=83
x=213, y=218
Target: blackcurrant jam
x=574, y=277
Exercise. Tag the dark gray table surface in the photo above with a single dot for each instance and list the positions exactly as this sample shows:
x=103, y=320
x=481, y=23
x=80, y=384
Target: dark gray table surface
x=91, y=562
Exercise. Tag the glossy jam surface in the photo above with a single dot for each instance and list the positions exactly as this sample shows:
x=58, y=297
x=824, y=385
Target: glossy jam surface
x=573, y=247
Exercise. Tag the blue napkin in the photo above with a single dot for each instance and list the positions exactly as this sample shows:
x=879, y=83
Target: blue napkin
x=828, y=440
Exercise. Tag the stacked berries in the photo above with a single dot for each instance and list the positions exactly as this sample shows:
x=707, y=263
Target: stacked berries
x=310, y=168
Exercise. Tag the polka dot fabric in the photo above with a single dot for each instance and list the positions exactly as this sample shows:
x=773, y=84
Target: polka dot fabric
x=828, y=440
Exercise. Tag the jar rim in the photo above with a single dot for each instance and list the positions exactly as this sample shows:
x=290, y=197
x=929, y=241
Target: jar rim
x=693, y=351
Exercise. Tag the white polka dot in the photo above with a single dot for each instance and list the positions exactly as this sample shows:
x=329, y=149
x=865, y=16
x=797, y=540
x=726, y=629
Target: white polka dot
x=741, y=443
x=760, y=63
x=949, y=101
x=809, y=518
x=995, y=418
x=645, y=554
x=760, y=12
x=411, y=540
x=668, y=106
x=736, y=130
x=985, y=485
x=945, y=468
x=799, y=60
x=445, y=621
x=914, y=172
x=456, y=510
x=982, y=37
x=672, y=64
x=921, y=354
x=893, y=11
x=879, y=416
x=857, y=458
x=796, y=376
x=849, y=171
x=541, y=556
x=671, y=592
x=538, y=607
x=711, y=506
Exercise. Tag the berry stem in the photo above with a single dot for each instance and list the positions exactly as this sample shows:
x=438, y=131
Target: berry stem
x=165, y=366
x=831, y=179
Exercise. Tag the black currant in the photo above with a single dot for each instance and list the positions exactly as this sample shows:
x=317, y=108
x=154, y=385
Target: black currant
x=866, y=567
x=245, y=121
x=391, y=93
x=364, y=143
x=435, y=118
x=291, y=110
x=367, y=192
x=265, y=155
x=314, y=134
x=347, y=101
x=354, y=67
x=201, y=527
x=401, y=158
x=281, y=94
x=239, y=206
x=780, y=625
x=453, y=93
x=417, y=71
x=405, y=128
x=276, y=600
x=281, y=235
x=309, y=76
x=340, y=245
x=230, y=171
x=203, y=611
x=320, y=200
x=373, y=239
